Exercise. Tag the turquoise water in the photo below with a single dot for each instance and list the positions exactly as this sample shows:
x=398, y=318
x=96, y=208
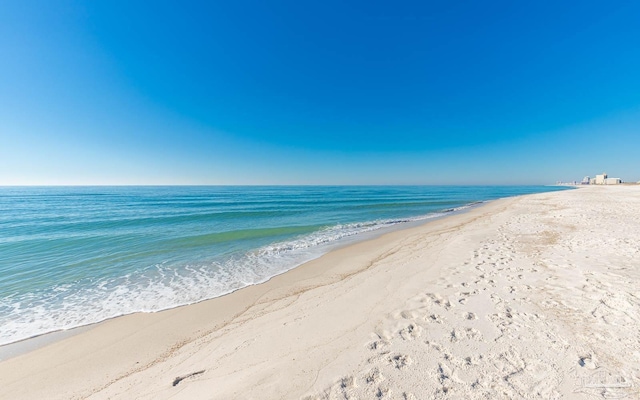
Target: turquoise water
x=71, y=256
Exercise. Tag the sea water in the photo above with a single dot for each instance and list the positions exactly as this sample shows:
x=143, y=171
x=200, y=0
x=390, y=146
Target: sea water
x=72, y=256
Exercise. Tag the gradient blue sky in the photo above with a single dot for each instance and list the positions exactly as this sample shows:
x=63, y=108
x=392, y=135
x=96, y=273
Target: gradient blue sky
x=322, y=92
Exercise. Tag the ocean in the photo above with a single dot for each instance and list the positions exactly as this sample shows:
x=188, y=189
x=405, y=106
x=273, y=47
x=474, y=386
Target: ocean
x=73, y=256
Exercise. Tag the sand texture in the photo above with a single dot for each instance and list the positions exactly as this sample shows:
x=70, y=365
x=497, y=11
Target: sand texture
x=530, y=297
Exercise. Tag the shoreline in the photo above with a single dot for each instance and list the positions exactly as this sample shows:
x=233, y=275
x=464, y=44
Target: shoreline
x=375, y=316
x=229, y=306
x=22, y=346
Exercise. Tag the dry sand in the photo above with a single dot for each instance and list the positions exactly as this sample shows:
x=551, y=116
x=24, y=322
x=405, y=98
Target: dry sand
x=529, y=297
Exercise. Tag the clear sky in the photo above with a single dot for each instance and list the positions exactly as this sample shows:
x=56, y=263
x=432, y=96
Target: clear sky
x=318, y=92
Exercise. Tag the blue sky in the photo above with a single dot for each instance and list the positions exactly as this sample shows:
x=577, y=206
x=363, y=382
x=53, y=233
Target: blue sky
x=323, y=92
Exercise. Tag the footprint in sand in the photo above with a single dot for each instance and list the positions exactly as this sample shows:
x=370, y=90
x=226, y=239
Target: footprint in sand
x=400, y=361
x=373, y=377
x=383, y=392
x=466, y=333
x=470, y=316
x=411, y=332
x=435, y=318
x=378, y=345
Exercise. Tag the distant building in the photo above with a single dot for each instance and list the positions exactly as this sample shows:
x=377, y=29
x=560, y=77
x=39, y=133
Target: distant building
x=612, y=181
x=600, y=179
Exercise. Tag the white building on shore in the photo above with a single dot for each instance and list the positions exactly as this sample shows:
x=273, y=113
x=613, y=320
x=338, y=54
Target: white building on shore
x=603, y=179
x=612, y=181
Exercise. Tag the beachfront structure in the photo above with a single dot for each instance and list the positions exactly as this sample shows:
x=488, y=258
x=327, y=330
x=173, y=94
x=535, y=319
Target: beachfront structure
x=602, y=179
x=612, y=181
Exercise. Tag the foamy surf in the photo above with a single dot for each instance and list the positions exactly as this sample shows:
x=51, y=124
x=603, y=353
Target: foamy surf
x=163, y=287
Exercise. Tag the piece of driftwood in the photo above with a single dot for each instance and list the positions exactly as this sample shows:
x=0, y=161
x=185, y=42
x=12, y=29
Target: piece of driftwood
x=183, y=377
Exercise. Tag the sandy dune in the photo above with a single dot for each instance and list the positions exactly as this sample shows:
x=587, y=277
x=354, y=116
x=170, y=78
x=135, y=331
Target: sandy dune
x=530, y=297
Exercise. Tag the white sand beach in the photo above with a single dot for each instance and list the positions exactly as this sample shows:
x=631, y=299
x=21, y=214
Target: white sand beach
x=536, y=296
